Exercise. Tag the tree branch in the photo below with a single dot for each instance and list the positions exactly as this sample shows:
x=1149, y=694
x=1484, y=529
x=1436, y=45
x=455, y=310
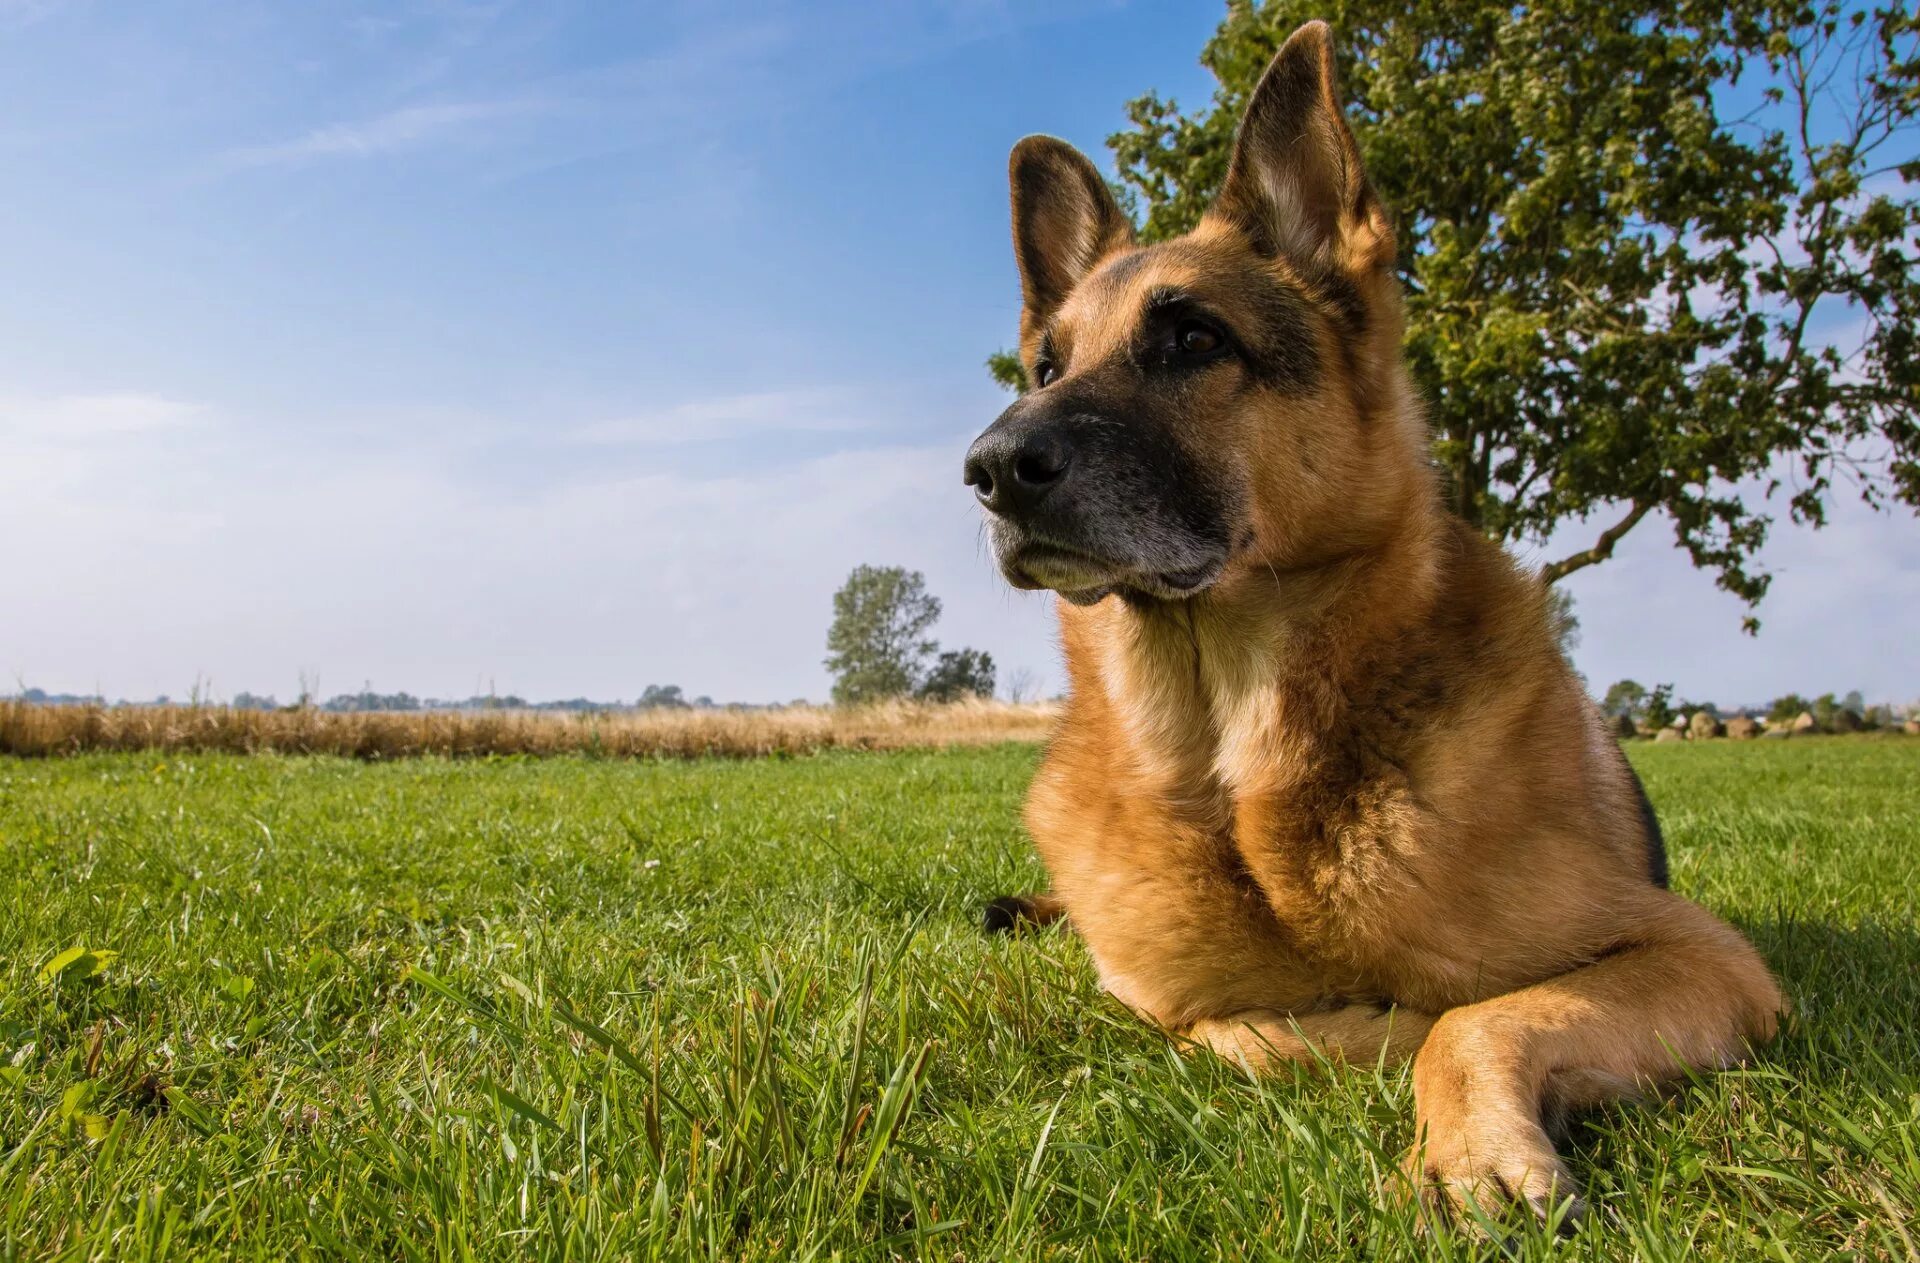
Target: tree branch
x=1602, y=549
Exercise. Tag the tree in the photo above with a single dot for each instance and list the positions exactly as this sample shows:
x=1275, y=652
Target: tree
x=1824, y=709
x=1566, y=623
x=1625, y=697
x=1660, y=711
x=662, y=697
x=1784, y=710
x=877, y=647
x=1627, y=234
x=958, y=673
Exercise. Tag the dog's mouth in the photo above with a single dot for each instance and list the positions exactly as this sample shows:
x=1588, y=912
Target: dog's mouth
x=1083, y=578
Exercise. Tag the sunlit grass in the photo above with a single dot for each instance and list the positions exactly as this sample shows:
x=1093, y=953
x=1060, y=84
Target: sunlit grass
x=603, y=1009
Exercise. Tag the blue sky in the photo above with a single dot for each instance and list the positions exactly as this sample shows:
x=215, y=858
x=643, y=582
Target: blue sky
x=569, y=348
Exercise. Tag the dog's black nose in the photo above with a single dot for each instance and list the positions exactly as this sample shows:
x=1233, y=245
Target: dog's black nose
x=1013, y=466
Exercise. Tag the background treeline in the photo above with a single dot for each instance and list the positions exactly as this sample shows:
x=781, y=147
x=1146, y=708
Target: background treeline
x=1636, y=710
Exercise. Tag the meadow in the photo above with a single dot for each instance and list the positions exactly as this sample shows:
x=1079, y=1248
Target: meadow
x=271, y=1006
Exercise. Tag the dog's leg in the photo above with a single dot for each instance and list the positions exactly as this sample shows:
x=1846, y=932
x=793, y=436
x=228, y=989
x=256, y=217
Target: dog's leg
x=1358, y=1034
x=1685, y=991
x=1014, y=912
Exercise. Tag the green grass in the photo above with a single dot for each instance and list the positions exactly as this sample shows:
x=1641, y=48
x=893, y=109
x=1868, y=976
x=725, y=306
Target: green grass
x=741, y=1010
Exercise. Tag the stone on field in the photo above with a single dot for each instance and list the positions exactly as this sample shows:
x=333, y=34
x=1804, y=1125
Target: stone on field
x=1703, y=725
x=1743, y=728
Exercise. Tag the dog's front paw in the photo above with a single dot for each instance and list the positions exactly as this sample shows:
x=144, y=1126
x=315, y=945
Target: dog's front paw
x=1486, y=1170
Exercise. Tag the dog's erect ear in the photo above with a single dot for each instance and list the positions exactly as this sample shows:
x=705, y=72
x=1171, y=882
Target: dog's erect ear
x=1064, y=220
x=1296, y=183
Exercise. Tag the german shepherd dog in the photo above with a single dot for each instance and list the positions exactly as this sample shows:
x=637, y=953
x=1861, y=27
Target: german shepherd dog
x=1324, y=785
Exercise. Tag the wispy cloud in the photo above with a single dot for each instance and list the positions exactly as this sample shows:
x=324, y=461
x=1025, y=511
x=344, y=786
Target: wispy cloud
x=411, y=127
x=72, y=417
x=726, y=417
x=15, y=14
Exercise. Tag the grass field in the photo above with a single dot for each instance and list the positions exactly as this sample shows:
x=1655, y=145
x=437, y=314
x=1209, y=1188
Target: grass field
x=579, y=1008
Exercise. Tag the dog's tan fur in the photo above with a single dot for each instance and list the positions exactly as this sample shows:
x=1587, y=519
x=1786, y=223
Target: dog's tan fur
x=1351, y=796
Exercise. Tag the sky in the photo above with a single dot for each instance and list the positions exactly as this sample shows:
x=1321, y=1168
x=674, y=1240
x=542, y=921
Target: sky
x=562, y=349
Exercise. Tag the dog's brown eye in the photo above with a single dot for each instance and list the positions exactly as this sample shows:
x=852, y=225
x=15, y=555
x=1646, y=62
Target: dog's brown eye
x=1194, y=338
x=1045, y=374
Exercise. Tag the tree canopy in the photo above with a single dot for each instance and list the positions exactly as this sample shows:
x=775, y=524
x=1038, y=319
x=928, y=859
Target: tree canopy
x=877, y=646
x=958, y=674
x=1658, y=257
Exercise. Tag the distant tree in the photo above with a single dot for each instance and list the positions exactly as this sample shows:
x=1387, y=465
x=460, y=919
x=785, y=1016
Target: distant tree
x=1856, y=702
x=956, y=674
x=1566, y=623
x=1823, y=708
x=662, y=697
x=1622, y=278
x=1021, y=686
x=1784, y=710
x=1625, y=697
x=877, y=647
x=1660, y=711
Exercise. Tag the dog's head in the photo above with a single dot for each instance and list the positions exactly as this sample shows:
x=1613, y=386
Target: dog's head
x=1211, y=402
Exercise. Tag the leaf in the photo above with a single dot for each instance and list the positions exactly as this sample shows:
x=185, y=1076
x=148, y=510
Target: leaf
x=190, y=1110
x=506, y=1098
x=75, y=965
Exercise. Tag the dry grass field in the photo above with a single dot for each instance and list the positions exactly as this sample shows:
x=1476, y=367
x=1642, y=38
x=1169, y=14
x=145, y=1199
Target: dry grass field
x=39, y=731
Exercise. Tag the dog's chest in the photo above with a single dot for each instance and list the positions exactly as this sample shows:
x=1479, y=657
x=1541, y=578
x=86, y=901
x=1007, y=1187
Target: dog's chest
x=1226, y=858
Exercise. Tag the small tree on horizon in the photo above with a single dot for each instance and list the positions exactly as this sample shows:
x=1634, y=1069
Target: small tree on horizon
x=877, y=645
x=1786, y=709
x=1660, y=712
x=959, y=673
x=662, y=697
x=1625, y=697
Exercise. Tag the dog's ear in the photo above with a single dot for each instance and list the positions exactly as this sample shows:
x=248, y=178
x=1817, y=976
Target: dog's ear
x=1064, y=221
x=1295, y=183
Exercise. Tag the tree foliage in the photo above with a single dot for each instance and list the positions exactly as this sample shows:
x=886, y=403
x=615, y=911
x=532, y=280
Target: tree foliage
x=1659, y=711
x=1784, y=710
x=958, y=674
x=877, y=646
x=1656, y=254
x=1626, y=698
x=662, y=697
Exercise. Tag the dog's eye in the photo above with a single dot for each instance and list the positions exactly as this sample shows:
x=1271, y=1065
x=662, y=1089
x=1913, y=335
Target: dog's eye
x=1196, y=338
x=1045, y=374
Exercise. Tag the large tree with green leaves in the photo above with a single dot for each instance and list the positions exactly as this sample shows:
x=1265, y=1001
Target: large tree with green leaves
x=877, y=645
x=1658, y=257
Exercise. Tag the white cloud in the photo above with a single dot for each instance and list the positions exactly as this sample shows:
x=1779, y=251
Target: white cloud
x=156, y=562
x=727, y=417
x=81, y=417
x=407, y=128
